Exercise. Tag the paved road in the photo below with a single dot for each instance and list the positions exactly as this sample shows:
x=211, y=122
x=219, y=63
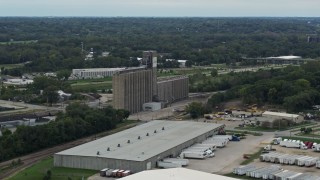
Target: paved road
x=26, y=107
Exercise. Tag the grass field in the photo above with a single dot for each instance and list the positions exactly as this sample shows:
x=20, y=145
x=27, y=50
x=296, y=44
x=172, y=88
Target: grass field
x=39, y=170
x=11, y=66
x=87, y=85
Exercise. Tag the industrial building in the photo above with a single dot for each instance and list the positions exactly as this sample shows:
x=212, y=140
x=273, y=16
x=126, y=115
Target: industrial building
x=296, y=118
x=173, y=89
x=138, y=148
x=175, y=174
x=93, y=73
x=296, y=60
x=133, y=88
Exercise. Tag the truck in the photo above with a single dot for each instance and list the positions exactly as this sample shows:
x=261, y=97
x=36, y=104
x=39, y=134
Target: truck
x=109, y=172
x=293, y=144
x=316, y=147
x=277, y=140
x=103, y=172
x=268, y=148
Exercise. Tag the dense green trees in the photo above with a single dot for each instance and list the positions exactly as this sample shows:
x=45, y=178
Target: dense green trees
x=295, y=88
x=195, y=109
x=78, y=121
x=203, y=41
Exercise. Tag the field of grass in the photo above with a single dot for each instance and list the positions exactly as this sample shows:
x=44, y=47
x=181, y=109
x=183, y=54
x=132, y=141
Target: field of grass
x=87, y=85
x=11, y=66
x=39, y=170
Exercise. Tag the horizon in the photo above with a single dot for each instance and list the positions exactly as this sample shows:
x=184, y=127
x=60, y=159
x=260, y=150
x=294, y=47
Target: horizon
x=157, y=8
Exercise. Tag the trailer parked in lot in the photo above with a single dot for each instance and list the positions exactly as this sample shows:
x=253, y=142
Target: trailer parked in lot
x=166, y=165
x=318, y=164
x=183, y=162
x=193, y=155
x=243, y=169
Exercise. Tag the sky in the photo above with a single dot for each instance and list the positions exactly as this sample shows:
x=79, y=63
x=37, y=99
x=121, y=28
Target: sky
x=162, y=8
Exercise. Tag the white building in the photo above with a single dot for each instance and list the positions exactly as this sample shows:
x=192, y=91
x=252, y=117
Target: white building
x=175, y=174
x=278, y=115
x=18, y=82
x=93, y=73
x=182, y=63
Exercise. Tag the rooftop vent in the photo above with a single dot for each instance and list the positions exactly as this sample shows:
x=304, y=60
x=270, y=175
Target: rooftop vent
x=128, y=142
x=98, y=153
x=118, y=145
x=147, y=134
x=162, y=128
x=139, y=137
x=155, y=131
x=108, y=149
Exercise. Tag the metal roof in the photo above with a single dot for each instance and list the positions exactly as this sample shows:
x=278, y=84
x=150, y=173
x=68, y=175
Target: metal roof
x=162, y=136
x=175, y=174
x=281, y=114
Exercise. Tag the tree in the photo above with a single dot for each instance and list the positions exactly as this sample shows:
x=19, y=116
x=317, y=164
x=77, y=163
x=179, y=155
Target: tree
x=195, y=109
x=214, y=72
x=51, y=94
x=63, y=75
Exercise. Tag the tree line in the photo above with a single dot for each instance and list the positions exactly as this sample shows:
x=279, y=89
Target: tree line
x=78, y=121
x=294, y=88
x=202, y=41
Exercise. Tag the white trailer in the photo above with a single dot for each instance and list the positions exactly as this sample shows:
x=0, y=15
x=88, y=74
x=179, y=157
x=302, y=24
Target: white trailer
x=183, y=162
x=311, y=161
x=212, y=146
x=167, y=165
x=301, y=161
x=318, y=164
x=218, y=142
x=242, y=170
x=193, y=155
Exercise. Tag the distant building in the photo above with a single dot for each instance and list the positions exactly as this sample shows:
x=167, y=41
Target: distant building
x=94, y=73
x=296, y=118
x=295, y=60
x=105, y=54
x=18, y=82
x=182, y=63
x=133, y=88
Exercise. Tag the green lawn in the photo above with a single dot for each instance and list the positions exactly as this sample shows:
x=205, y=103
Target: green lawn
x=88, y=85
x=39, y=170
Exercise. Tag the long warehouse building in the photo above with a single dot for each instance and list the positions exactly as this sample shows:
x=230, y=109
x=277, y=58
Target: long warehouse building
x=138, y=148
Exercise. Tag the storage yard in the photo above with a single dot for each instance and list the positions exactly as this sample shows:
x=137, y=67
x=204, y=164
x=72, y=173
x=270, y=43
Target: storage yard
x=138, y=148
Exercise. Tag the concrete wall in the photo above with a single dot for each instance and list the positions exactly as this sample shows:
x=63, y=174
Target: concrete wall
x=132, y=89
x=98, y=163
x=174, y=89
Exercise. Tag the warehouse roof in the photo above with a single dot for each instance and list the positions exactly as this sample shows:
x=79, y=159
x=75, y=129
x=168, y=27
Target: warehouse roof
x=175, y=174
x=162, y=136
x=280, y=114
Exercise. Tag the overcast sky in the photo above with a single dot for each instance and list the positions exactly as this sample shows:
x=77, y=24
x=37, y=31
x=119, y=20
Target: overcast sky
x=163, y=8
